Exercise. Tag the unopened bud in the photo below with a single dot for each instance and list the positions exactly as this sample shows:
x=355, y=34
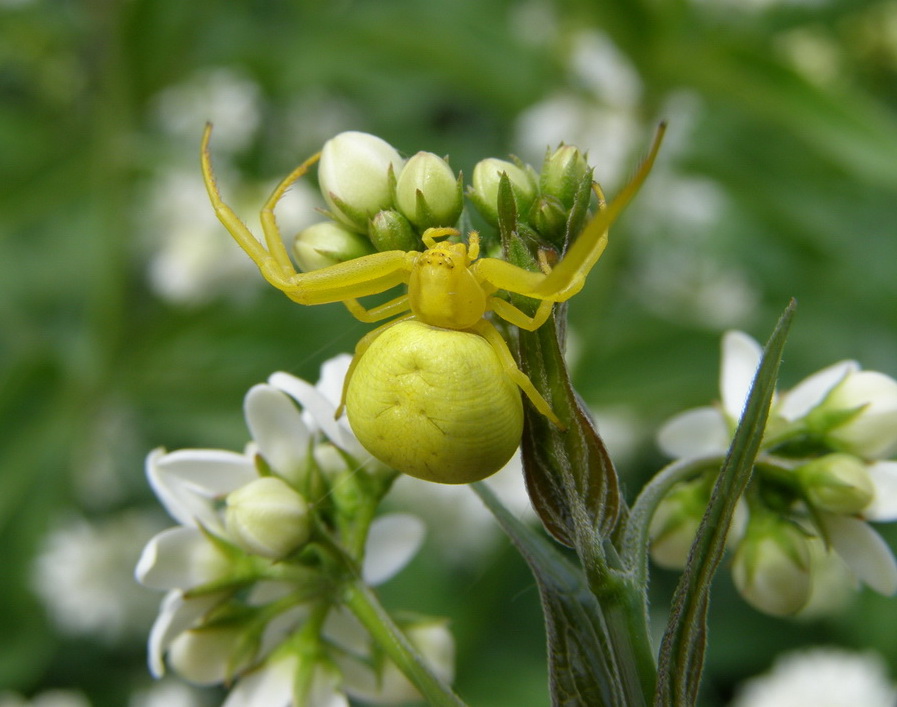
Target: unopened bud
x=428, y=193
x=549, y=218
x=389, y=230
x=328, y=243
x=837, y=483
x=268, y=517
x=355, y=173
x=563, y=173
x=771, y=567
x=203, y=656
x=486, y=180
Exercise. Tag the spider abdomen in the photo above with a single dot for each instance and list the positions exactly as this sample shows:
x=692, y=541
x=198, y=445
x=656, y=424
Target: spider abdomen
x=435, y=404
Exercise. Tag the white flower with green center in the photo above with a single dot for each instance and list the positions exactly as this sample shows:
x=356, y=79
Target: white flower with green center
x=235, y=568
x=823, y=451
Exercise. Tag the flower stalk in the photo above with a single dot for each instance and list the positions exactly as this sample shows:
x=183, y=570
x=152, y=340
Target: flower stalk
x=366, y=607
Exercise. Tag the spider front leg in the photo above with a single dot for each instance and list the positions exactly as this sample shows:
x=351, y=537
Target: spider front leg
x=343, y=282
x=568, y=276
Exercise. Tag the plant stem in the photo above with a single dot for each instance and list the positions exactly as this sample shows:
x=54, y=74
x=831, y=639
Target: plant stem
x=362, y=601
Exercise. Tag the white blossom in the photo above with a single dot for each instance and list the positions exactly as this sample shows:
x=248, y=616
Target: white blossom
x=821, y=677
x=850, y=410
x=83, y=574
x=229, y=516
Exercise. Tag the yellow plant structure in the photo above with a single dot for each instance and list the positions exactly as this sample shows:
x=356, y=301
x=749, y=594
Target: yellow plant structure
x=434, y=392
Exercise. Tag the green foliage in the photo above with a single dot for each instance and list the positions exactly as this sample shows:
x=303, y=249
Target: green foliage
x=789, y=114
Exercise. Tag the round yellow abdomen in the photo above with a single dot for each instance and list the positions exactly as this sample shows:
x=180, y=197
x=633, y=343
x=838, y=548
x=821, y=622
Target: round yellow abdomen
x=435, y=403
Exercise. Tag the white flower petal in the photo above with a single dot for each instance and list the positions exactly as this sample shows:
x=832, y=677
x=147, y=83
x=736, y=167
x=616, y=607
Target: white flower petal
x=188, y=481
x=872, y=433
x=884, y=479
x=333, y=373
x=326, y=689
x=214, y=472
x=343, y=629
x=864, y=551
x=320, y=411
x=270, y=685
x=694, y=433
x=392, y=542
x=741, y=357
x=183, y=501
x=277, y=428
x=176, y=615
x=811, y=391
x=180, y=557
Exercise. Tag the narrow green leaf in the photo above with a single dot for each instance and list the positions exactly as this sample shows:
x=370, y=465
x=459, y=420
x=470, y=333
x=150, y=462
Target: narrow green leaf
x=582, y=668
x=683, y=645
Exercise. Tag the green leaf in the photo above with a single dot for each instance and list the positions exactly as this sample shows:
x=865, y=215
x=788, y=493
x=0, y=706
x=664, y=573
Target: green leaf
x=684, y=642
x=582, y=668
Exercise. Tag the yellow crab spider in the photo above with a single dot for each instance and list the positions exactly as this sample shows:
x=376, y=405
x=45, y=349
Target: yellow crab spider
x=434, y=393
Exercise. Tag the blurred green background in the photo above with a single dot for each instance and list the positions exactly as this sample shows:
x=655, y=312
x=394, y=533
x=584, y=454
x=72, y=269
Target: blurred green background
x=130, y=320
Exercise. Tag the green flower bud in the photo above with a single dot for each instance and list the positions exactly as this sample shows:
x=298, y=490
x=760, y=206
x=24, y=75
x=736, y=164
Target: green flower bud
x=837, y=483
x=268, y=517
x=771, y=567
x=389, y=230
x=487, y=177
x=428, y=193
x=549, y=217
x=356, y=174
x=562, y=174
x=328, y=243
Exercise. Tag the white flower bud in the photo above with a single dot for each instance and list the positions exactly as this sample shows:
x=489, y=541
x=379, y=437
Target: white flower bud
x=675, y=523
x=677, y=518
x=428, y=193
x=771, y=567
x=328, y=243
x=871, y=432
x=202, y=656
x=486, y=180
x=268, y=517
x=837, y=483
x=354, y=174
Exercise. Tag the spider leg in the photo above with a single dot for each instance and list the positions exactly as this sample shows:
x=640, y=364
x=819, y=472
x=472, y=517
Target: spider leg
x=268, y=265
x=519, y=318
x=485, y=329
x=355, y=278
x=568, y=276
x=363, y=344
x=269, y=224
x=383, y=311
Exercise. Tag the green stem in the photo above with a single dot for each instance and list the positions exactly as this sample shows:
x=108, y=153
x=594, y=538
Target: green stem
x=362, y=601
x=309, y=642
x=624, y=610
x=634, y=546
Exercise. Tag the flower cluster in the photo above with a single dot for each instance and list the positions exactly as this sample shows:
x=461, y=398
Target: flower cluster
x=379, y=201
x=822, y=473
x=268, y=542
